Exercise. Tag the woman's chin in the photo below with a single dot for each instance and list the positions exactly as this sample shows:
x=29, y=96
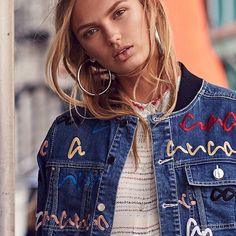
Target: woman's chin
x=129, y=69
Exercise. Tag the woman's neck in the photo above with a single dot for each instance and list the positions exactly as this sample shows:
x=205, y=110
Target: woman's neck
x=145, y=91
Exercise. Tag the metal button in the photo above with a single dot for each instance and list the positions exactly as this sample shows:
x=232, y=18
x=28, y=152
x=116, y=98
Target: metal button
x=155, y=119
x=123, y=123
x=53, y=168
x=110, y=160
x=101, y=207
x=218, y=173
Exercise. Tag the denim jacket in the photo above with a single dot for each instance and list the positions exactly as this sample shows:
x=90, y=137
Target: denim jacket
x=194, y=159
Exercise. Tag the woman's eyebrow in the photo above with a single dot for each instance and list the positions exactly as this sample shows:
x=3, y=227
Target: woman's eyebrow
x=113, y=7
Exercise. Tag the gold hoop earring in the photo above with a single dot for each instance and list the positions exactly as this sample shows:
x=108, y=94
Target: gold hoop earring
x=83, y=89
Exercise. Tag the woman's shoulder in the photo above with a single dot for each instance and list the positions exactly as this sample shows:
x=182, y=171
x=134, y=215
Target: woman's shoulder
x=71, y=129
x=193, y=85
x=76, y=119
x=213, y=90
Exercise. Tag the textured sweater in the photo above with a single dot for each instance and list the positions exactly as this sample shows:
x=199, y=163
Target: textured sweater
x=136, y=210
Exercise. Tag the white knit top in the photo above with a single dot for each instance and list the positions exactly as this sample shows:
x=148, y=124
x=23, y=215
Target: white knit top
x=136, y=211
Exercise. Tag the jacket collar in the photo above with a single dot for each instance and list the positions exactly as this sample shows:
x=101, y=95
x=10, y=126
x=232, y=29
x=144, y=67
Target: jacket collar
x=189, y=86
x=188, y=89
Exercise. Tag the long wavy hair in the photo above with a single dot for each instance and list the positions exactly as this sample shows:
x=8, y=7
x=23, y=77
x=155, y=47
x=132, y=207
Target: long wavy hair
x=65, y=50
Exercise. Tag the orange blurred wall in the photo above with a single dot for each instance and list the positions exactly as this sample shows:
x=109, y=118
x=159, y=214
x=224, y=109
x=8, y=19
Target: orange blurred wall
x=192, y=42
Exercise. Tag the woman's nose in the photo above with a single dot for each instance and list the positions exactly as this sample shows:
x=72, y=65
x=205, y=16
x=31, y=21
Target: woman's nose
x=115, y=40
x=113, y=37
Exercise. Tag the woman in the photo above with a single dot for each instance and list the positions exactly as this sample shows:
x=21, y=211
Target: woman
x=148, y=149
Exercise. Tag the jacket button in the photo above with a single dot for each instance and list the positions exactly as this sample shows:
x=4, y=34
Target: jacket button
x=111, y=160
x=155, y=119
x=123, y=123
x=101, y=207
x=218, y=173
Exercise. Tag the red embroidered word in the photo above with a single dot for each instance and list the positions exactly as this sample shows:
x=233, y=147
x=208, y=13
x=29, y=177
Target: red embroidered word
x=227, y=124
x=63, y=221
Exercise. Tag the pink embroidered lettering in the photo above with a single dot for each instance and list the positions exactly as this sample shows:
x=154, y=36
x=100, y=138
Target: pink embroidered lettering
x=75, y=223
x=100, y=220
x=62, y=222
x=227, y=123
x=183, y=202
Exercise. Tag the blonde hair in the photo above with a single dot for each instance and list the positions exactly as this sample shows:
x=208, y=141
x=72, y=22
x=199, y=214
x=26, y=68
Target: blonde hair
x=66, y=49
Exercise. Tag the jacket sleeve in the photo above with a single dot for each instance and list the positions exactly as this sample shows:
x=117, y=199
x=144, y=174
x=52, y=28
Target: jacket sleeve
x=43, y=156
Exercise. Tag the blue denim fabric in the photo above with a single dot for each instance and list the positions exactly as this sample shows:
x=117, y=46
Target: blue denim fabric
x=194, y=157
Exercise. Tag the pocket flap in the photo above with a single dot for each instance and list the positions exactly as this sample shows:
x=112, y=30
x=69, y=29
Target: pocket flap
x=202, y=174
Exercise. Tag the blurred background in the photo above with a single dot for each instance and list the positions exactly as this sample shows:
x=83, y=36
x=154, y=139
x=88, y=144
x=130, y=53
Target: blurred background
x=205, y=41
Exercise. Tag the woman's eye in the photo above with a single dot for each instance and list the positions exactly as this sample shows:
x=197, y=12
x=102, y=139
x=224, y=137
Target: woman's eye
x=90, y=32
x=119, y=13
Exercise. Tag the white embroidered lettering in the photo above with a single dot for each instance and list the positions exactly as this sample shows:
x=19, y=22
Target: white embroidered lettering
x=196, y=229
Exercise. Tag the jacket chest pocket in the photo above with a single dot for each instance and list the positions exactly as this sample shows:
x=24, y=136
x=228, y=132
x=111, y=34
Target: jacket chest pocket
x=213, y=185
x=72, y=196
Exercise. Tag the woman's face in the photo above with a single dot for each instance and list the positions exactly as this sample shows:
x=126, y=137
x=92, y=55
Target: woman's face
x=114, y=32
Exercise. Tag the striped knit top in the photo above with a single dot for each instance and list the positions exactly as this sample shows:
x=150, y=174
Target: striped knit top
x=136, y=211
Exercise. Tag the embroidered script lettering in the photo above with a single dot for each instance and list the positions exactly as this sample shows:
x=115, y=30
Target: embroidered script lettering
x=45, y=217
x=226, y=148
x=76, y=149
x=44, y=146
x=76, y=222
x=170, y=150
x=69, y=178
x=227, y=194
x=99, y=222
x=211, y=149
x=183, y=202
x=227, y=123
x=196, y=229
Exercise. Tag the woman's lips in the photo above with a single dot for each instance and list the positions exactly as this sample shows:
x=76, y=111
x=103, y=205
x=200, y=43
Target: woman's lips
x=124, y=54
